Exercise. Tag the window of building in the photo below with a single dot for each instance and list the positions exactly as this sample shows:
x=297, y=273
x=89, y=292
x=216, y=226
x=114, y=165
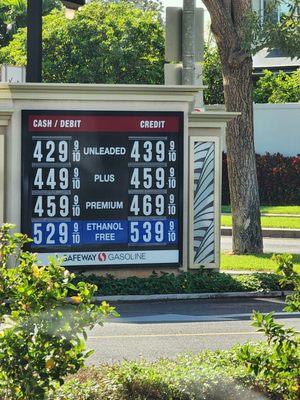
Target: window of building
x=265, y=7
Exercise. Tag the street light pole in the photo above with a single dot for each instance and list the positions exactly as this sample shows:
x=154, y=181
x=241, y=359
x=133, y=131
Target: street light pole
x=188, y=42
x=34, y=41
x=34, y=37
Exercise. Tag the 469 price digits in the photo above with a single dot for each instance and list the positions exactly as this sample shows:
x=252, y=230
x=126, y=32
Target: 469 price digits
x=147, y=205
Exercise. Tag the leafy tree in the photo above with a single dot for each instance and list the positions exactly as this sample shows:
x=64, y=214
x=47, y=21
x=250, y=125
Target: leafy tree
x=236, y=38
x=278, y=88
x=104, y=43
x=13, y=16
x=212, y=76
x=274, y=30
x=146, y=5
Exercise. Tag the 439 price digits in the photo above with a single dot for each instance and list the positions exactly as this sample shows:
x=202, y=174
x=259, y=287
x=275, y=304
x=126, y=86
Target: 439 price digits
x=153, y=151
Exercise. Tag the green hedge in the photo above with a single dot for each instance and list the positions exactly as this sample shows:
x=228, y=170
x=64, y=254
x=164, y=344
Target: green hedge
x=217, y=375
x=198, y=282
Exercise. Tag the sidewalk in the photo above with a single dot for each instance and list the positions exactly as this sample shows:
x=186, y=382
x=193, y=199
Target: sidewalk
x=269, y=232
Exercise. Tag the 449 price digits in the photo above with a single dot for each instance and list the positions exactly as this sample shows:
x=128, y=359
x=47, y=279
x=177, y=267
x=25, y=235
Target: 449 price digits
x=51, y=178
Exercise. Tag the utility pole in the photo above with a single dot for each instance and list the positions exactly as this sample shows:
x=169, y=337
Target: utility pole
x=34, y=41
x=188, y=42
x=185, y=46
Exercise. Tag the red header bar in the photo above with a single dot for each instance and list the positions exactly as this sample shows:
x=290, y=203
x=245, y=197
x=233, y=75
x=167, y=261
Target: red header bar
x=103, y=123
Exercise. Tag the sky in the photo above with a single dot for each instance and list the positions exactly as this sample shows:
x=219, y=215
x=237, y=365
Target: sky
x=178, y=3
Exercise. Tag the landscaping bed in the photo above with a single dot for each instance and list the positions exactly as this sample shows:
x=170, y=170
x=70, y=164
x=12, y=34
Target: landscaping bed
x=197, y=282
x=209, y=375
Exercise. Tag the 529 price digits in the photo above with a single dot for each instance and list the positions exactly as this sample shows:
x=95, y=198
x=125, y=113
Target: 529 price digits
x=50, y=233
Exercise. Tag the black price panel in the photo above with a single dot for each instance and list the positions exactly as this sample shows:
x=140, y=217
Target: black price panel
x=103, y=188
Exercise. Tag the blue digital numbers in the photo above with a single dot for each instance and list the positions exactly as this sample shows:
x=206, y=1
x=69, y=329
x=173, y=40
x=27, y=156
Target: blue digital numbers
x=153, y=231
x=57, y=233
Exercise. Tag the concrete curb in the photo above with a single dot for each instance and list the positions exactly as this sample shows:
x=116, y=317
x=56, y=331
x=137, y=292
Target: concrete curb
x=192, y=296
x=269, y=232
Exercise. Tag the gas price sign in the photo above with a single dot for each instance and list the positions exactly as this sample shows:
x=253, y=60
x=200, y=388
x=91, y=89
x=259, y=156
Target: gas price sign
x=103, y=188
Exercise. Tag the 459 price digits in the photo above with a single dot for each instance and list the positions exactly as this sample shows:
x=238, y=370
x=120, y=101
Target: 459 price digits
x=51, y=206
x=148, y=178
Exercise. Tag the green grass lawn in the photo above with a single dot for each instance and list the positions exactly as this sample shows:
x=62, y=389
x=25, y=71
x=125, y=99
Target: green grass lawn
x=269, y=222
x=272, y=209
x=256, y=262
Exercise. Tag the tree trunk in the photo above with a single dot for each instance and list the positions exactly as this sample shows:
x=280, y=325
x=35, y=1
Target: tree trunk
x=227, y=26
x=244, y=196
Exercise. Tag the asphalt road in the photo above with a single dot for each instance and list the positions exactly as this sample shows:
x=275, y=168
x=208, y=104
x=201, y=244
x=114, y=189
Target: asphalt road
x=165, y=329
x=271, y=245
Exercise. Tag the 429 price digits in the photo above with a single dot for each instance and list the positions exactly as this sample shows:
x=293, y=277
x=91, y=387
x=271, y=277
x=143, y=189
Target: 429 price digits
x=51, y=151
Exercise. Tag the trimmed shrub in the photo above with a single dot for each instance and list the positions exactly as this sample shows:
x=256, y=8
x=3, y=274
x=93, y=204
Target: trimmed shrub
x=278, y=179
x=209, y=375
x=198, y=282
x=279, y=363
x=278, y=87
x=42, y=334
